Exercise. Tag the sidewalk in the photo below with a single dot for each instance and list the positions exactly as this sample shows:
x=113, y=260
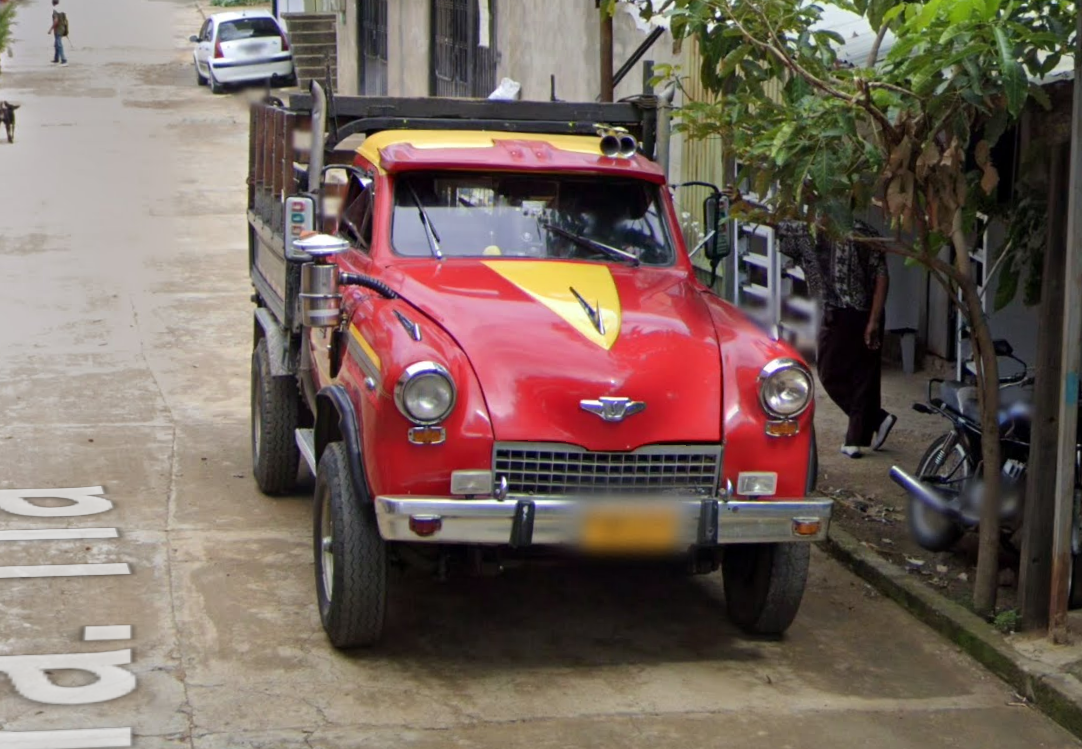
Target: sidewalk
x=870, y=536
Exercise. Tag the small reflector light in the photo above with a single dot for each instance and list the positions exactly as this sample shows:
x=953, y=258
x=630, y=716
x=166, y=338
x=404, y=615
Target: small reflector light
x=787, y=428
x=427, y=435
x=806, y=526
x=425, y=525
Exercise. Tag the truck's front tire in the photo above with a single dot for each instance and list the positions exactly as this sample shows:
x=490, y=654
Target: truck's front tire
x=764, y=584
x=350, y=555
x=275, y=415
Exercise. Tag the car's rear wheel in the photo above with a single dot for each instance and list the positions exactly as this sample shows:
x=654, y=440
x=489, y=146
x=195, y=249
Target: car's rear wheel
x=215, y=86
x=275, y=416
x=764, y=584
x=350, y=556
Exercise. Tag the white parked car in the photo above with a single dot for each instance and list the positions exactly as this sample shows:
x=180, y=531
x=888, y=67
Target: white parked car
x=241, y=47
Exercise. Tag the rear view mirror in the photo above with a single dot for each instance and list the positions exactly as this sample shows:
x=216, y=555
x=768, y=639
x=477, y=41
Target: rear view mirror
x=719, y=243
x=193, y=38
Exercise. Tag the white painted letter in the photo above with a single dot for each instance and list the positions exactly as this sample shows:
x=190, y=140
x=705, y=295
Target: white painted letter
x=80, y=738
x=27, y=673
x=14, y=501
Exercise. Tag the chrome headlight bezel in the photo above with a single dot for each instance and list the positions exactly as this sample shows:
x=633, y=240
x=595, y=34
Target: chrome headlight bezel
x=411, y=375
x=772, y=370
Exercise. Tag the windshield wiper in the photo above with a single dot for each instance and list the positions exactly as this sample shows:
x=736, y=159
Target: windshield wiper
x=592, y=244
x=430, y=230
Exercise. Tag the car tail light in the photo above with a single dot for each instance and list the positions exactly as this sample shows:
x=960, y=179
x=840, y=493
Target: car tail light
x=218, y=54
x=285, y=43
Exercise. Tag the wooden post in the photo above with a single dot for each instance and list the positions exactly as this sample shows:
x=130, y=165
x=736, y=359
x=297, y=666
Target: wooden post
x=1035, y=579
x=1072, y=347
x=607, y=87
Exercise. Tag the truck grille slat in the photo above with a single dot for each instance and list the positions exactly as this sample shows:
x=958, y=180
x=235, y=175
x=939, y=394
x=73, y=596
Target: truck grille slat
x=555, y=469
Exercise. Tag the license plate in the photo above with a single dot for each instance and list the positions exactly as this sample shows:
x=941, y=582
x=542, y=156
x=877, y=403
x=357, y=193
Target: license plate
x=251, y=49
x=624, y=529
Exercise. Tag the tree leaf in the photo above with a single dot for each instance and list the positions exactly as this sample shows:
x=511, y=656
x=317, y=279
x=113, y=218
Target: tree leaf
x=989, y=179
x=1015, y=85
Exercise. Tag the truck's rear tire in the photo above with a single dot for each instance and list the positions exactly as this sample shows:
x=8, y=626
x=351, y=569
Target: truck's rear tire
x=764, y=584
x=275, y=415
x=350, y=555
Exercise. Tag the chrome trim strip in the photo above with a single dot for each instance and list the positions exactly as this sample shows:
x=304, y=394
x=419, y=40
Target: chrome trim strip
x=556, y=521
x=411, y=327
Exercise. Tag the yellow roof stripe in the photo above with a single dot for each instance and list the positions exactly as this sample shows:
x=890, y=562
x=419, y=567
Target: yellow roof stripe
x=433, y=139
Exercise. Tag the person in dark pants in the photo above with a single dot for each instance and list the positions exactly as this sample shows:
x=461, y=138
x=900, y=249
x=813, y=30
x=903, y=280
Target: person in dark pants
x=849, y=281
x=58, y=31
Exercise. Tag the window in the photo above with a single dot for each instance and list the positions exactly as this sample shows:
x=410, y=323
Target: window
x=248, y=28
x=373, y=47
x=356, y=222
x=205, y=32
x=518, y=215
x=463, y=55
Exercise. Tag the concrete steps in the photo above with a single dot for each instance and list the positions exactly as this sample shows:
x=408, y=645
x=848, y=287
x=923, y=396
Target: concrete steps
x=313, y=37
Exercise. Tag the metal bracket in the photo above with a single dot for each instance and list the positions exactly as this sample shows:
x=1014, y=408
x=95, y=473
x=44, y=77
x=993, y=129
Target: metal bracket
x=522, y=525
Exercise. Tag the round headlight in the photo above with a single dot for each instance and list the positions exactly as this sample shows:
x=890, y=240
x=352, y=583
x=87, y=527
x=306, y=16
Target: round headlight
x=425, y=393
x=785, y=388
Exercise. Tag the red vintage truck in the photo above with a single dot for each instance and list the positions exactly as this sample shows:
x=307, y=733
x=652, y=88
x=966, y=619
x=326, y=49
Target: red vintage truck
x=486, y=339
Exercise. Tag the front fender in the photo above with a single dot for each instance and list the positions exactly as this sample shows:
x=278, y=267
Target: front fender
x=380, y=349
x=744, y=351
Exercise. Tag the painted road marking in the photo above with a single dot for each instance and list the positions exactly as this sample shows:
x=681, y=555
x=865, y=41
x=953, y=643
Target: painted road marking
x=110, y=632
x=64, y=570
x=79, y=738
x=58, y=534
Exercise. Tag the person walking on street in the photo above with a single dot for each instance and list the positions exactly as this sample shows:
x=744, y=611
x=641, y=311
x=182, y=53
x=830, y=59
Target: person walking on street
x=59, y=31
x=849, y=281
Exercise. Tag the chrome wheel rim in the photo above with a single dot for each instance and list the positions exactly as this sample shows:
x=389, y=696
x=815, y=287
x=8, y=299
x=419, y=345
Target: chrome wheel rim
x=326, y=545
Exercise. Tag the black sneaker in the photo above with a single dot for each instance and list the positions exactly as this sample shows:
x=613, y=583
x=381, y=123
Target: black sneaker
x=883, y=431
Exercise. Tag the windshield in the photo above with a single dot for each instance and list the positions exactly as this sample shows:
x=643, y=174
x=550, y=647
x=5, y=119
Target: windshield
x=551, y=216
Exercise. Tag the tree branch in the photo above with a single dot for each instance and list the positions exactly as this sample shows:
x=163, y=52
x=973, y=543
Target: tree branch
x=777, y=50
x=873, y=56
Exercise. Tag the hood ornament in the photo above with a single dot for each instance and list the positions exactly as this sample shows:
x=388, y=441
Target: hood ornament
x=594, y=313
x=613, y=409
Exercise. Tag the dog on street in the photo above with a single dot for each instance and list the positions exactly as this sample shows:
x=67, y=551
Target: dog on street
x=7, y=117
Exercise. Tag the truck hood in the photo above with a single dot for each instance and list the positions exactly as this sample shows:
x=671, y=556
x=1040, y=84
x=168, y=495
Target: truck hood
x=544, y=336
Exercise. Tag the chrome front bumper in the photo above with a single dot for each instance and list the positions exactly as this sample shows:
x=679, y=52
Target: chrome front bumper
x=522, y=521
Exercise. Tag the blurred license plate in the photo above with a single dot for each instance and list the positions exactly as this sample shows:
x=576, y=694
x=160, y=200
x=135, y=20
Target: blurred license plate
x=624, y=529
x=252, y=49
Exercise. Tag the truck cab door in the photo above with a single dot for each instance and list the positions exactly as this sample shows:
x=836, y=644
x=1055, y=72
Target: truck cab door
x=354, y=218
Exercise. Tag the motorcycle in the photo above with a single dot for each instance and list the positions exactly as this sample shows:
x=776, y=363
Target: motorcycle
x=947, y=491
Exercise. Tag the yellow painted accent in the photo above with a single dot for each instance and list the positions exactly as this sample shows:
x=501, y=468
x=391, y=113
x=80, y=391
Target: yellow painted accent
x=365, y=346
x=455, y=139
x=550, y=283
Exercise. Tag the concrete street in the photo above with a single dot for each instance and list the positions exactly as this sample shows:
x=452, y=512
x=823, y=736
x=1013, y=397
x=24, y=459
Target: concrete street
x=124, y=363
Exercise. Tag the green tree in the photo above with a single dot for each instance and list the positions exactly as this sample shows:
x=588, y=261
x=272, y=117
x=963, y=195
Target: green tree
x=7, y=24
x=910, y=134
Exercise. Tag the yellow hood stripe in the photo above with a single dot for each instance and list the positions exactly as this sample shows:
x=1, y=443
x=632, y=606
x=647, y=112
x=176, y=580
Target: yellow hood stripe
x=551, y=283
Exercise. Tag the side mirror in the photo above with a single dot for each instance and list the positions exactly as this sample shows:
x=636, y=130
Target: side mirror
x=1002, y=348
x=717, y=225
x=194, y=39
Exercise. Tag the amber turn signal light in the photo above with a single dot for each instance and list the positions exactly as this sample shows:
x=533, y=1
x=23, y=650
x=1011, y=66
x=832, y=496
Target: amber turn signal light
x=806, y=527
x=787, y=428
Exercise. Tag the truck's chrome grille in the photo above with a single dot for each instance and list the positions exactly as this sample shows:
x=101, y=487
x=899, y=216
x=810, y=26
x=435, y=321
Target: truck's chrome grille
x=557, y=469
